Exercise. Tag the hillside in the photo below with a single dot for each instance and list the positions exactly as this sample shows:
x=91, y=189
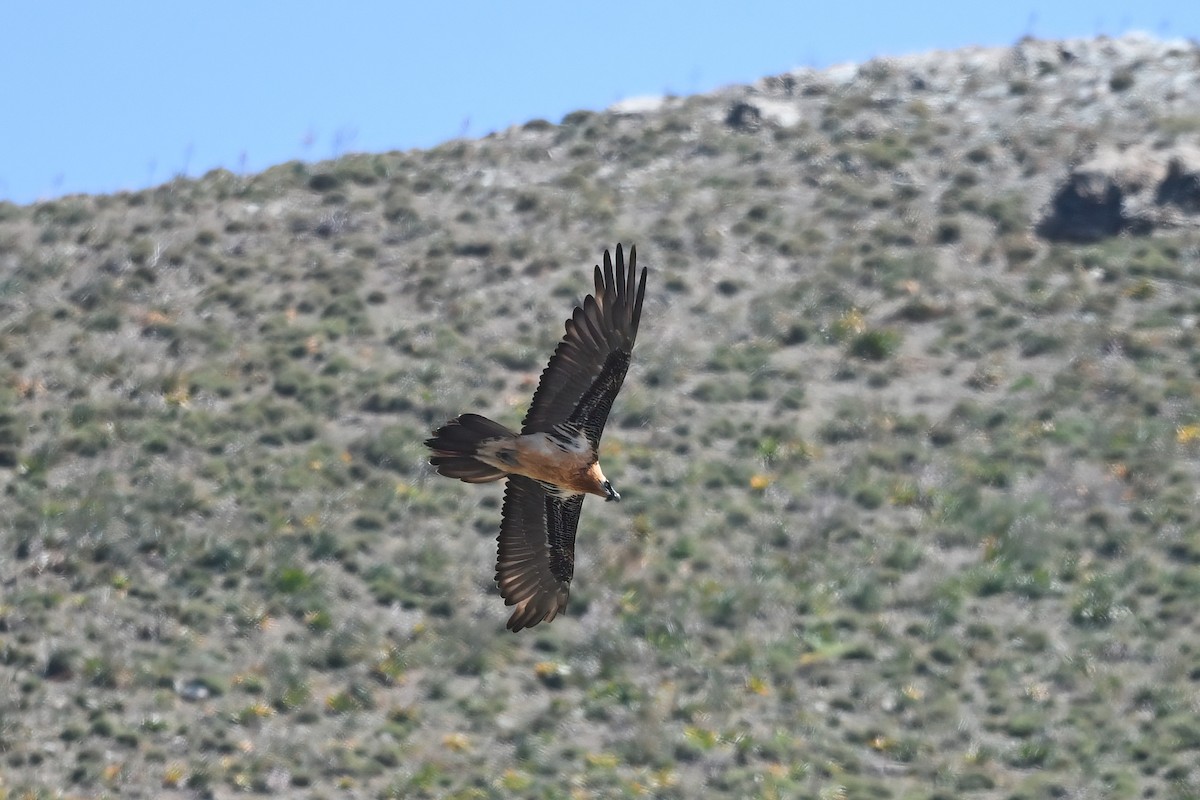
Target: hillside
x=908, y=453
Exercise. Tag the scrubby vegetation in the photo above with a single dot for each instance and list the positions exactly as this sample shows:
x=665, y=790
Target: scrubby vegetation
x=909, y=493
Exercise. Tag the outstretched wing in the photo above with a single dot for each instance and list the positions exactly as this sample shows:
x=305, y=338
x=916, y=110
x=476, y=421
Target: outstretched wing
x=537, y=551
x=588, y=366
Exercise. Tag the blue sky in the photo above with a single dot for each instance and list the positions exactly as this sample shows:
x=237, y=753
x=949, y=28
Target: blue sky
x=104, y=96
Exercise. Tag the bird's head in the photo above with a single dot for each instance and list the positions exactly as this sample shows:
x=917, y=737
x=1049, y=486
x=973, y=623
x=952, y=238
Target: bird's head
x=599, y=485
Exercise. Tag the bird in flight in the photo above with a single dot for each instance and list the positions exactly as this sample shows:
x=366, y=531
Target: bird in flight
x=553, y=463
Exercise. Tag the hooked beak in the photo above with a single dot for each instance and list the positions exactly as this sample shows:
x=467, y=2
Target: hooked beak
x=610, y=493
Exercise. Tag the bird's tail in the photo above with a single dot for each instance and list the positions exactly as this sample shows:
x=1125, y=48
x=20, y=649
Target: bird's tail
x=456, y=444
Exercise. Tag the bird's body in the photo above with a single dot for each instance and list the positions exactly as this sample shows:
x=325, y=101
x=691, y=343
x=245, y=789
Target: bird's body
x=553, y=463
x=562, y=461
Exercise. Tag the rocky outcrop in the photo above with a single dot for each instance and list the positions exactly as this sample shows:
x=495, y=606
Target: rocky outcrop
x=1132, y=191
x=1180, y=187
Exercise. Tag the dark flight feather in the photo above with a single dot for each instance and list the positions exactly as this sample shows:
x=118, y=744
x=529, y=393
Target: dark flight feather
x=589, y=365
x=536, y=559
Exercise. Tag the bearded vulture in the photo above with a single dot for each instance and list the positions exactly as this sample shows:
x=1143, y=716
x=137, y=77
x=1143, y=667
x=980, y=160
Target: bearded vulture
x=553, y=463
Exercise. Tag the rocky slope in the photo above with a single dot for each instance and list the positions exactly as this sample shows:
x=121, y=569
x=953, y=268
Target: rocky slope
x=908, y=453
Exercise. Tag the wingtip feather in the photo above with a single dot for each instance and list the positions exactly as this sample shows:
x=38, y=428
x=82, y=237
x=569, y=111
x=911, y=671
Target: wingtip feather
x=636, y=317
x=530, y=612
